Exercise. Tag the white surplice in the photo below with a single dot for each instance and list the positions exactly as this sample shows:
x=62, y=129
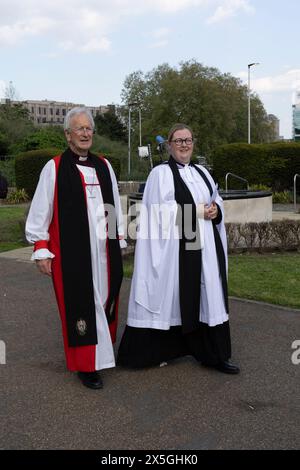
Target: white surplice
x=154, y=296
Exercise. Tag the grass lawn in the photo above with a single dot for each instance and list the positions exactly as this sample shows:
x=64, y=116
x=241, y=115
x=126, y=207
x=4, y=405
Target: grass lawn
x=272, y=278
x=11, y=231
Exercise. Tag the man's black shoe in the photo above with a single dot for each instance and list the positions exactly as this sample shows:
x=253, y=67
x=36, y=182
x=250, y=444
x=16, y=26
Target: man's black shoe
x=225, y=366
x=91, y=379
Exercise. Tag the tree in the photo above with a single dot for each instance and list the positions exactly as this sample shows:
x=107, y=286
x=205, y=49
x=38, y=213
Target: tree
x=4, y=145
x=42, y=138
x=110, y=125
x=15, y=123
x=212, y=103
x=10, y=92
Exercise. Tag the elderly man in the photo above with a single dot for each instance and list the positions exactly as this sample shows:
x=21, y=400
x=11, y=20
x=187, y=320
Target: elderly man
x=75, y=223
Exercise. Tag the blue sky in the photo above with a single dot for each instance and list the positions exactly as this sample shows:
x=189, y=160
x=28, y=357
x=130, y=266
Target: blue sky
x=81, y=51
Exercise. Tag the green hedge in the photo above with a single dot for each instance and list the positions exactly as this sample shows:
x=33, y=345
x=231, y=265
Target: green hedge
x=273, y=165
x=28, y=166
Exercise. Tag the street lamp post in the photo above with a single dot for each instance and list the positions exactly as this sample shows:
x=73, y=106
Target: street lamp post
x=129, y=126
x=129, y=131
x=140, y=126
x=249, y=93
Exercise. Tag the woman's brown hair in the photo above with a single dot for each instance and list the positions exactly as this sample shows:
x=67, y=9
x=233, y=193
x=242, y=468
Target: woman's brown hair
x=178, y=127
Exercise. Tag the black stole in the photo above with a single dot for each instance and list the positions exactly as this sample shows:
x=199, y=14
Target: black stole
x=190, y=260
x=75, y=247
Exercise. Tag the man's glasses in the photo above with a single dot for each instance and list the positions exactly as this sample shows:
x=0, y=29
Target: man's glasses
x=83, y=130
x=179, y=142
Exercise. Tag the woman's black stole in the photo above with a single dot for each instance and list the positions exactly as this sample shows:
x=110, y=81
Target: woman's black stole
x=190, y=259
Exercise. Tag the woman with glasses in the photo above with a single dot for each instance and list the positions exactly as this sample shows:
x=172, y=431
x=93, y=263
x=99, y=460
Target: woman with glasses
x=178, y=301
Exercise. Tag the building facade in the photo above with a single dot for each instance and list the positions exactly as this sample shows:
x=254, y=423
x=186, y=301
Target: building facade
x=274, y=121
x=53, y=112
x=296, y=118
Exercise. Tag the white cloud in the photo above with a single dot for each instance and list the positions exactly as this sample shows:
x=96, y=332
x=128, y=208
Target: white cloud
x=13, y=34
x=229, y=9
x=86, y=26
x=287, y=81
x=102, y=44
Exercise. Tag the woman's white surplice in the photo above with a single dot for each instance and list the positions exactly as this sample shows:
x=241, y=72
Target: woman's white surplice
x=154, y=296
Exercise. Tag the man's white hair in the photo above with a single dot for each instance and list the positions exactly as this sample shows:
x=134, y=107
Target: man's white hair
x=74, y=112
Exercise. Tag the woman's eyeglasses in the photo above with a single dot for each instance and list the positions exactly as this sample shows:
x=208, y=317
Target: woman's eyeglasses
x=179, y=142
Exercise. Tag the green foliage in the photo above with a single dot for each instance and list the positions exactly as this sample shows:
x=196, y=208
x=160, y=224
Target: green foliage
x=259, y=187
x=110, y=125
x=15, y=125
x=212, y=103
x=17, y=196
x=272, y=165
x=4, y=144
x=7, y=168
x=28, y=166
x=42, y=138
x=283, y=197
x=114, y=151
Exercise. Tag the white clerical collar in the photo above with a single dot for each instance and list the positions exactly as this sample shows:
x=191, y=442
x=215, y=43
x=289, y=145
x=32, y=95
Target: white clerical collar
x=82, y=159
x=182, y=165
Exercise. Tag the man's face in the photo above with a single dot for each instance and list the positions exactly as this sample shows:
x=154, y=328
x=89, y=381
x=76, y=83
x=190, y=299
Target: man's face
x=80, y=134
x=181, y=151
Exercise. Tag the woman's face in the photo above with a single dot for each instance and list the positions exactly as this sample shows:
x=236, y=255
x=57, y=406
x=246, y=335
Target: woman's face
x=181, y=150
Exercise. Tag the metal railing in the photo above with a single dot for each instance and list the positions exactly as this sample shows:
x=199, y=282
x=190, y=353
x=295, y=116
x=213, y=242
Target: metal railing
x=295, y=194
x=235, y=176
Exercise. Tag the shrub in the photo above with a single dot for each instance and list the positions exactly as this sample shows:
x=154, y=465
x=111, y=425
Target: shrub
x=115, y=152
x=273, y=165
x=28, y=166
x=283, y=235
x=249, y=233
x=263, y=236
x=233, y=236
x=41, y=138
x=17, y=196
x=259, y=187
x=283, y=197
x=7, y=169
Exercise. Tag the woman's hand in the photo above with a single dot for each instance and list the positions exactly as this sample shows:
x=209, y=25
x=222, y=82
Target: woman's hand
x=211, y=212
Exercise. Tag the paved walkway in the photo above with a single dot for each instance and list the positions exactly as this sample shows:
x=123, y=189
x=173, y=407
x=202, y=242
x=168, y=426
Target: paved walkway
x=182, y=406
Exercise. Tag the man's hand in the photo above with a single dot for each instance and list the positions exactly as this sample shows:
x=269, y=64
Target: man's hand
x=45, y=266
